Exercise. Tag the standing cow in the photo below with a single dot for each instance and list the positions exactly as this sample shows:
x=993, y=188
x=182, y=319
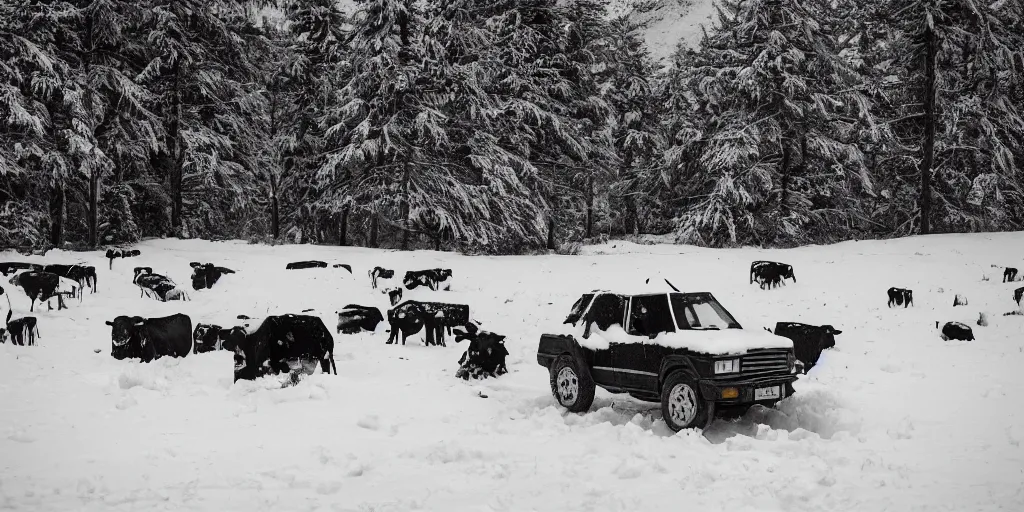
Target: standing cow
x=412, y=316
x=43, y=286
x=283, y=344
x=354, y=318
x=808, y=340
x=900, y=297
x=769, y=274
x=205, y=275
x=84, y=275
x=1009, y=275
x=380, y=273
x=134, y=337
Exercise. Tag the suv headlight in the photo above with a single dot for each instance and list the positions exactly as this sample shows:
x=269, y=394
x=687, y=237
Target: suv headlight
x=727, y=366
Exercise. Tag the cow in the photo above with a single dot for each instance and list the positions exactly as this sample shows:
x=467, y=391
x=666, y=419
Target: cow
x=808, y=340
x=354, y=318
x=135, y=337
x=21, y=328
x=9, y=267
x=394, y=295
x=380, y=273
x=158, y=286
x=959, y=300
x=41, y=286
x=956, y=331
x=300, y=265
x=485, y=356
x=412, y=316
x=113, y=254
x=900, y=297
x=1009, y=275
x=283, y=344
x=1018, y=294
x=205, y=275
x=770, y=274
x=431, y=278
x=84, y=275
x=344, y=266
x=209, y=337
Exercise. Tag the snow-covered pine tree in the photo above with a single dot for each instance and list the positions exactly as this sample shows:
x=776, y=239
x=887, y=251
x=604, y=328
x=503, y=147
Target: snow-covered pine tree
x=371, y=156
x=770, y=112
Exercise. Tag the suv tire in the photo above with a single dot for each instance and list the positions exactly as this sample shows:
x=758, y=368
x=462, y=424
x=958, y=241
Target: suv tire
x=681, y=404
x=572, y=388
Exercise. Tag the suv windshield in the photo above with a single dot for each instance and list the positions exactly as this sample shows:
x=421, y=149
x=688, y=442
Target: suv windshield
x=701, y=311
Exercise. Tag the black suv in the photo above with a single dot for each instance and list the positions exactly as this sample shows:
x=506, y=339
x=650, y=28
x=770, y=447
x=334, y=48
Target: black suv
x=681, y=349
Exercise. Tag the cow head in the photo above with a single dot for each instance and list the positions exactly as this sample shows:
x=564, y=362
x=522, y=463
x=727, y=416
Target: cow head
x=788, y=273
x=142, y=270
x=195, y=264
x=124, y=328
x=394, y=295
x=3, y=335
x=205, y=337
x=828, y=329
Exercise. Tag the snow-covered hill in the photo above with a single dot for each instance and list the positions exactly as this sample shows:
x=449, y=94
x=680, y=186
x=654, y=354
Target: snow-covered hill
x=893, y=418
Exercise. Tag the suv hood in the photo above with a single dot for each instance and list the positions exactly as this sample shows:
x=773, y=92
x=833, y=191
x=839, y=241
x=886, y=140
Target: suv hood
x=723, y=342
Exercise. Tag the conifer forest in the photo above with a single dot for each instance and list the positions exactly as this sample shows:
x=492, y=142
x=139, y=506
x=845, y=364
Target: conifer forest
x=506, y=126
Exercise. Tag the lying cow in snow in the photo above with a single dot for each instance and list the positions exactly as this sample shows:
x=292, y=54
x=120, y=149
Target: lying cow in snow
x=808, y=340
x=1018, y=294
x=113, y=254
x=959, y=300
x=302, y=265
x=485, y=356
x=344, y=266
x=84, y=275
x=770, y=274
x=1009, y=275
x=9, y=267
x=432, y=278
x=134, y=337
x=900, y=297
x=157, y=286
x=283, y=344
x=412, y=316
x=205, y=275
x=43, y=286
x=956, y=331
x=380, y=273
x=354, y=318
x=21, y=328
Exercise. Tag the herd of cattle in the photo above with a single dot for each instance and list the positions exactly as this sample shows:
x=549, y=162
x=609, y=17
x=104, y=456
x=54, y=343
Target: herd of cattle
x=291, y=343
x=297, y=343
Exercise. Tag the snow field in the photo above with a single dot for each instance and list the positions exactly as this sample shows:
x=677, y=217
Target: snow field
x=893, y=417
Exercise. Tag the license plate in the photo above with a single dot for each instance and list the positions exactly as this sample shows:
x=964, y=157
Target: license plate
x=766, y=393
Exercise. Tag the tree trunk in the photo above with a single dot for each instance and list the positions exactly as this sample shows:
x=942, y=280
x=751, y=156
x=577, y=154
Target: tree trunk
x=785, y=177
x=343, y=228
x=590, y=207
x=177, y=155
x=551, y=233
x=374, y=227
x=94, y=211
x=57, y=215
x=931, y=51
x=405, y=208
x=275, y=219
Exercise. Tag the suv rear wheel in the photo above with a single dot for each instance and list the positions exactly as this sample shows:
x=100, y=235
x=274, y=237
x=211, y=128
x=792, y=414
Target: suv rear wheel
x=681, y=404
x=573, y=389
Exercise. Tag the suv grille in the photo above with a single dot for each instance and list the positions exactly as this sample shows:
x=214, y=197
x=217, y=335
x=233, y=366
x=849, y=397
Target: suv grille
x=764, y=362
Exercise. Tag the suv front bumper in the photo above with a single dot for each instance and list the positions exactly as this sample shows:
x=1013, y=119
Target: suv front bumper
x=712, y=389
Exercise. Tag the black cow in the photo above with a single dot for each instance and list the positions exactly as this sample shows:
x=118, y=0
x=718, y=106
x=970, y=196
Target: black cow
x=85, y=275
x=900, y=297
x=159, y=287
x=808, y=340
x=134, y=337
x=354, y=318
x=394, y=295
x=1018, y=294
x=769, y=274
x=21, y=328
x=283, y=344
x=431, y=278
x=205, y=275
x=209, y=337
x=300, y=265
x=485, y=356
x=41, y=286
x=380, y=273
x=956, y=331
x=959, y=300
x=344, y=266
x=113, y=254
x=1009, y=275
x=9, y=267
x=411, y=316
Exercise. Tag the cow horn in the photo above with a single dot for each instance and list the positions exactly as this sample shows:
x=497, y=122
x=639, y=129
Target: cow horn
x=108, y=322
x=140, y=323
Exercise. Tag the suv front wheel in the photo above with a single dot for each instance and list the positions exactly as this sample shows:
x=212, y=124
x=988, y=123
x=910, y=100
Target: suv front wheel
x=681, y=404
x=573, y=389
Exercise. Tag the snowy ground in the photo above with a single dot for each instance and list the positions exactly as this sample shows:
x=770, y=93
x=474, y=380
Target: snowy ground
x=893, y=418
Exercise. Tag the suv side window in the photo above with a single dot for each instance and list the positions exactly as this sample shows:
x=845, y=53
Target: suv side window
x=607, y=311
x=650, y=315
